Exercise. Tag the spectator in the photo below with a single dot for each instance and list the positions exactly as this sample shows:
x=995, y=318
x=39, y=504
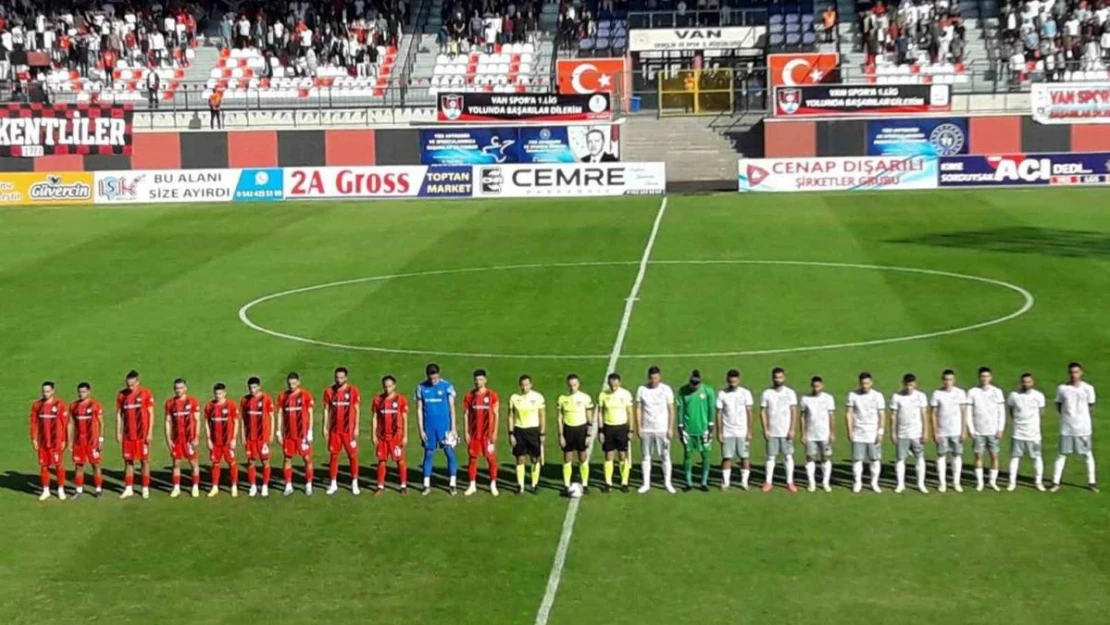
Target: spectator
x=215, y=112
x=828, y=24
x=153, y=86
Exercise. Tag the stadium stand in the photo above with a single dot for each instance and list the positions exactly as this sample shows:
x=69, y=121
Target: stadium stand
x=1065, y=40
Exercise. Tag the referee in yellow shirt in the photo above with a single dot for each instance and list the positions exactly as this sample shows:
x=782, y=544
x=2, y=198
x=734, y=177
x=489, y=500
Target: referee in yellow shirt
x=616, y=430
x=527, y=416
x=576, y=419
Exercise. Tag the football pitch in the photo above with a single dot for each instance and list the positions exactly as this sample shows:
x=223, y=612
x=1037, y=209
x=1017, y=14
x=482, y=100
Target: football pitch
x=818, y=284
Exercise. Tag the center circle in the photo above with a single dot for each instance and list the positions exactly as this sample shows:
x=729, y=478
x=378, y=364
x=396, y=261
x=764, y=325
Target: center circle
x=517, y=301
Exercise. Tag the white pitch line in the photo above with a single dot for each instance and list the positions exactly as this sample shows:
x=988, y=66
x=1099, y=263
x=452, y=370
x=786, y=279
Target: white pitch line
x=572, y=509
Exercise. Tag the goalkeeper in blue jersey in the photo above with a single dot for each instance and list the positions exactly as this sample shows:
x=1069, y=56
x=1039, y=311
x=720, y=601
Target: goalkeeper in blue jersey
x=435, y=413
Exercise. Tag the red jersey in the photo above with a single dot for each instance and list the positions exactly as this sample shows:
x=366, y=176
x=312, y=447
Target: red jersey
x=256, y=413
x=388, y=410
x=87, y=418
x=341, y=403
x=294, y=407
x=180, y=410
x=136, y=406
x=221, y=422
x=480, y=406
x=48, y=422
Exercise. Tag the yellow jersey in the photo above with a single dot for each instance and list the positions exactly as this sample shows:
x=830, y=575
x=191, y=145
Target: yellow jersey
x=616, y=406
x=526, y=409
x=574, y=408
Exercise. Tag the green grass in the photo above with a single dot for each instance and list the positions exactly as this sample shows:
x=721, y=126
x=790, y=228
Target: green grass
x=89, y=294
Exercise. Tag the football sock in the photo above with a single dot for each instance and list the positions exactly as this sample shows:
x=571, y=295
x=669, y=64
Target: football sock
x=645, y=470
x=626, y=471
x=452, y=460
x=920, y=471
x=826, y=470
x=770, y=469
x=266, y=475
x=252, y=474
x=309, y=473
x=353, y=458
x=428, y=454
x=705, y=467
x=216, y=475
x=1058, y=469
x=942, y=471
x=44, y=477
x=1014, y=463
x=957, y=469
x=1038, y=464
x=744, y=475
x=584, y=473
x=876, y=468
x=609, y=472
x=688, y=468
x=146, y=480
x=789, y=469
x=287, y=473
x=381, y=473
x=857, y=472
x=61, y=473
x=979, y=477
x=667, y=469
x=491, y=462
x=520, y=475
x=452, y=480
x=79, y=477
x=472, y=469
x=1090, y=468
x=568, y=470
x=233, y=474
x=333, y=467
x=994, y=477
x=811, y=473
x=176, y=479
x=726, y=477
x=900, y=471
x=128, y=478
x=98, y=480
x=403, y=472
x=535, y=475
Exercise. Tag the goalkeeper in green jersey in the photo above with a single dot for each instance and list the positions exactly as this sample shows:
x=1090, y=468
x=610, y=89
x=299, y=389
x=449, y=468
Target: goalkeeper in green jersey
x=695, y=407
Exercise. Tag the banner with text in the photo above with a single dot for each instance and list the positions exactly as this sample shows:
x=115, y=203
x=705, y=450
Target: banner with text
x=833, y=100
x=666, y=39
x=31, y=130
x=539, y=144
x=377, y=182
x=31, y=188
x=527, y=107
x=1015, y=170
x=923, y=136
x=1070, y=103
x=190, y=185
x=560, y=180
x=848, y=173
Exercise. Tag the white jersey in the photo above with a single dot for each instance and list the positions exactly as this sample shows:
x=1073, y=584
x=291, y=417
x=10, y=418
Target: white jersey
x=779, y=404
x=949, y=405
x=1075, y=408
x=1025, y=408
x=988, y=410
x=815, y=410
x=734, y=405
x=865, y=409
x=655, y=406
x=910, y=409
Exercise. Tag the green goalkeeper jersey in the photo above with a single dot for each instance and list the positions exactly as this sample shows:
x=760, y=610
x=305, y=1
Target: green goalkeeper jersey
x=696, y=408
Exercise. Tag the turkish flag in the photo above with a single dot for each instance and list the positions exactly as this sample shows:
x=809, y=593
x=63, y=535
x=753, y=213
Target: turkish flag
x=585, y=76
x=803, y=68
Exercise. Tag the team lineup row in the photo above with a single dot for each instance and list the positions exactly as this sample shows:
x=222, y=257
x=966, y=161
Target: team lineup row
x=696, y=415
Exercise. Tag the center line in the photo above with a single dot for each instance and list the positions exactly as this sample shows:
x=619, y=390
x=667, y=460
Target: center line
x=572, y=509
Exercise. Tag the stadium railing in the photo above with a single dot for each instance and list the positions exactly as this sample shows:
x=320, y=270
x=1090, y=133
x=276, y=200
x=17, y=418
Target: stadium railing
x=703, y=18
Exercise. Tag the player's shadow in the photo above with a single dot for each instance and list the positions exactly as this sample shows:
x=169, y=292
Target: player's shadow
x=20, y=482
x=1021, y=240
x=161, y=480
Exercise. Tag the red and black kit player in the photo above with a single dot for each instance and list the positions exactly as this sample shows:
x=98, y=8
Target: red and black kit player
x=390, y=432
x=48, y=437
x=341, y=414
x=481, y=404
x=221, y=419
x=183, y=434
x=134, y=415
x=257, y=409
x=294, y=431
x=86, y=438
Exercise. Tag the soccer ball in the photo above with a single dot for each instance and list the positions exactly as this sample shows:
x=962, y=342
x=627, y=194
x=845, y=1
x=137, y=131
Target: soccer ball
x=575, y=490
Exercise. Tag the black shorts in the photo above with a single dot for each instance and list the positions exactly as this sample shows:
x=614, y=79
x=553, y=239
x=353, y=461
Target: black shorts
x=616, y=438
x=527, y=442
x=575, y=437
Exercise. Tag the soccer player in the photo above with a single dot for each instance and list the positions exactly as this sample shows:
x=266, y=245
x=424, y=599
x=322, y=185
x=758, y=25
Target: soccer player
x=435, y=415
x=734, y=428
x=294, y=431
x=86, y=436
x=183, y=434
x=390, y=432
x=576, y=422
x=866, y=414
x=257, y=409
x=527, y=428
x=987, y=424
x=1073, y=401
x=341, y=415
x=615, y=404
x=909, y=431
x=779, y=414
x=221, y=420
x=481, y=406
x=655, y=423
x=696, y=407
x=818, y=431
x=48, y=437
x=1026, y=406
x=134, y=415
x=948, y=414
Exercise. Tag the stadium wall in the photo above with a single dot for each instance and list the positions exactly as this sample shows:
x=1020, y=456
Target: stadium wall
x=994, y=134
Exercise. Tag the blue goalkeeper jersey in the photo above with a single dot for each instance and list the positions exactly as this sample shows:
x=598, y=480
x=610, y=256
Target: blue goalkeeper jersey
x=436, y=399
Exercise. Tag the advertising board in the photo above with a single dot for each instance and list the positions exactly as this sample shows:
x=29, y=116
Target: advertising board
x=190, y=185
x=925, y=136
x=31, y=188
x=527, y=107
x=832, y=100
x=1018, y=170
x=846, y=173
x=540, y=144
x=31, y=130
x=377, y=182
x=563, y=180
x=1070, y=103
x=666, y=39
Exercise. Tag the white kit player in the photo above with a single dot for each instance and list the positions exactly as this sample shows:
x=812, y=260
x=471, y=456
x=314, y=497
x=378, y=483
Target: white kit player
x=909, y=430
x=779, y=414
x=987, y=423
x=1073, y=401
x=866, y=413
x=818, y=432
x=948, y=406
x=654, y=414
x=734, y=429
x=1026, y=406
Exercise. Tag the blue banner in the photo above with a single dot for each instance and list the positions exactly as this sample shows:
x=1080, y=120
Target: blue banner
x=499, y=146
x=447, y=181
x=1090, y=168
x=260, y=185
x=917, y=137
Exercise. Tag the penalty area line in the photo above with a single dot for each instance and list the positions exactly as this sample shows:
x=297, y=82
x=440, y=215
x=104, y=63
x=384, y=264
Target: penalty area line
x=557, y=566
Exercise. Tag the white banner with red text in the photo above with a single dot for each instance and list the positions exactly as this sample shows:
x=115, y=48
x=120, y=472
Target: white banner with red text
x=843, y=173
x=1070, y=103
